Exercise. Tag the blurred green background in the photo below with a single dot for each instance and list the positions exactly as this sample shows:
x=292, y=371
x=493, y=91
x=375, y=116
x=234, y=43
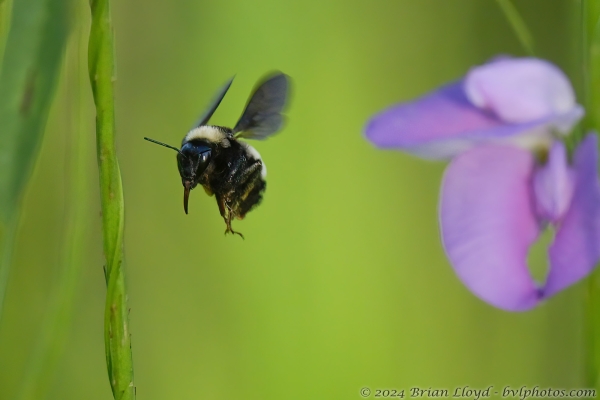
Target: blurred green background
x=341, y=282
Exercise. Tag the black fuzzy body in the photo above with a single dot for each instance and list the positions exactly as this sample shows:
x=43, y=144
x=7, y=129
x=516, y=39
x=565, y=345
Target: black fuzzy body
x=234, y=176
x=229, y=169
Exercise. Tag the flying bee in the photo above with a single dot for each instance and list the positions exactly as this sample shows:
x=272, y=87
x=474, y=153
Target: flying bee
x=230, y=169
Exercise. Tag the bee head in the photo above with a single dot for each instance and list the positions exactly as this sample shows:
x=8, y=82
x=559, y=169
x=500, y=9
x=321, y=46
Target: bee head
x=192, y=160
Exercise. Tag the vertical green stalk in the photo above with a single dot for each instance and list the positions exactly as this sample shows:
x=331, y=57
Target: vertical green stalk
x=8, y=239
x=53, y=333
x=518, y=25
x=116, y=329
x=591, y=92
x=5, y=10
x=591, y=62
x=32, y=55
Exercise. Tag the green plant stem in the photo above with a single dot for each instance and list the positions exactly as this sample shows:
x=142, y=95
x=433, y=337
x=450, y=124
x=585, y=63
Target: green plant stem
x=518, y=25
x=59, y=315
x=32, y=55
x=116, y=330
x=591, y=93
x=8, y=236
x=591, y=62
x=5, y=11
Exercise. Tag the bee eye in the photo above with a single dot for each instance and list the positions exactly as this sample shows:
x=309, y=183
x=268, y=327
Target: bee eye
x=193, y=160
x=203, y=160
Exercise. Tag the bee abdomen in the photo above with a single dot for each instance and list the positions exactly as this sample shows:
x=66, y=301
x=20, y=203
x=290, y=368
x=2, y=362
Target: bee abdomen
x=252, y=195
x=250, y=185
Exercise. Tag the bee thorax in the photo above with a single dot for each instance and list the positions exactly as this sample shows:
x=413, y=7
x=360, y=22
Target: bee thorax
x=253, y=154
x=209, y=133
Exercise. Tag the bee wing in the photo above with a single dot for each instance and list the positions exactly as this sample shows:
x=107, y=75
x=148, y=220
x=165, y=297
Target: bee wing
x=203, y=120
x=262, y=116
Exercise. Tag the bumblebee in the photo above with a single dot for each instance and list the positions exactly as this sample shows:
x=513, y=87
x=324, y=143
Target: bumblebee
x=230, y=169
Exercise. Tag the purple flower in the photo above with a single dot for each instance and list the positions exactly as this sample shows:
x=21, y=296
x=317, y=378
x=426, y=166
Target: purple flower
x=509, y=178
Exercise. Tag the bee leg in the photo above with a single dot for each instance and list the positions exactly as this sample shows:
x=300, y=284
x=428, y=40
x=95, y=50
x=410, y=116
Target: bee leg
x=221, y=203
x=228, y=218
x=229, y=229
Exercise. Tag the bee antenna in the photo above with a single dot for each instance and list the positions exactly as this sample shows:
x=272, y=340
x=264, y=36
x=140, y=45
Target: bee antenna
x=165, y=145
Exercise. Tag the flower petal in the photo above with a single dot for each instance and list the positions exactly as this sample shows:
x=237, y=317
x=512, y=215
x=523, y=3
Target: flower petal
x=553, y=185
x=576, y=248
x=519, y=90
x=487, y=224
x=444, y=123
